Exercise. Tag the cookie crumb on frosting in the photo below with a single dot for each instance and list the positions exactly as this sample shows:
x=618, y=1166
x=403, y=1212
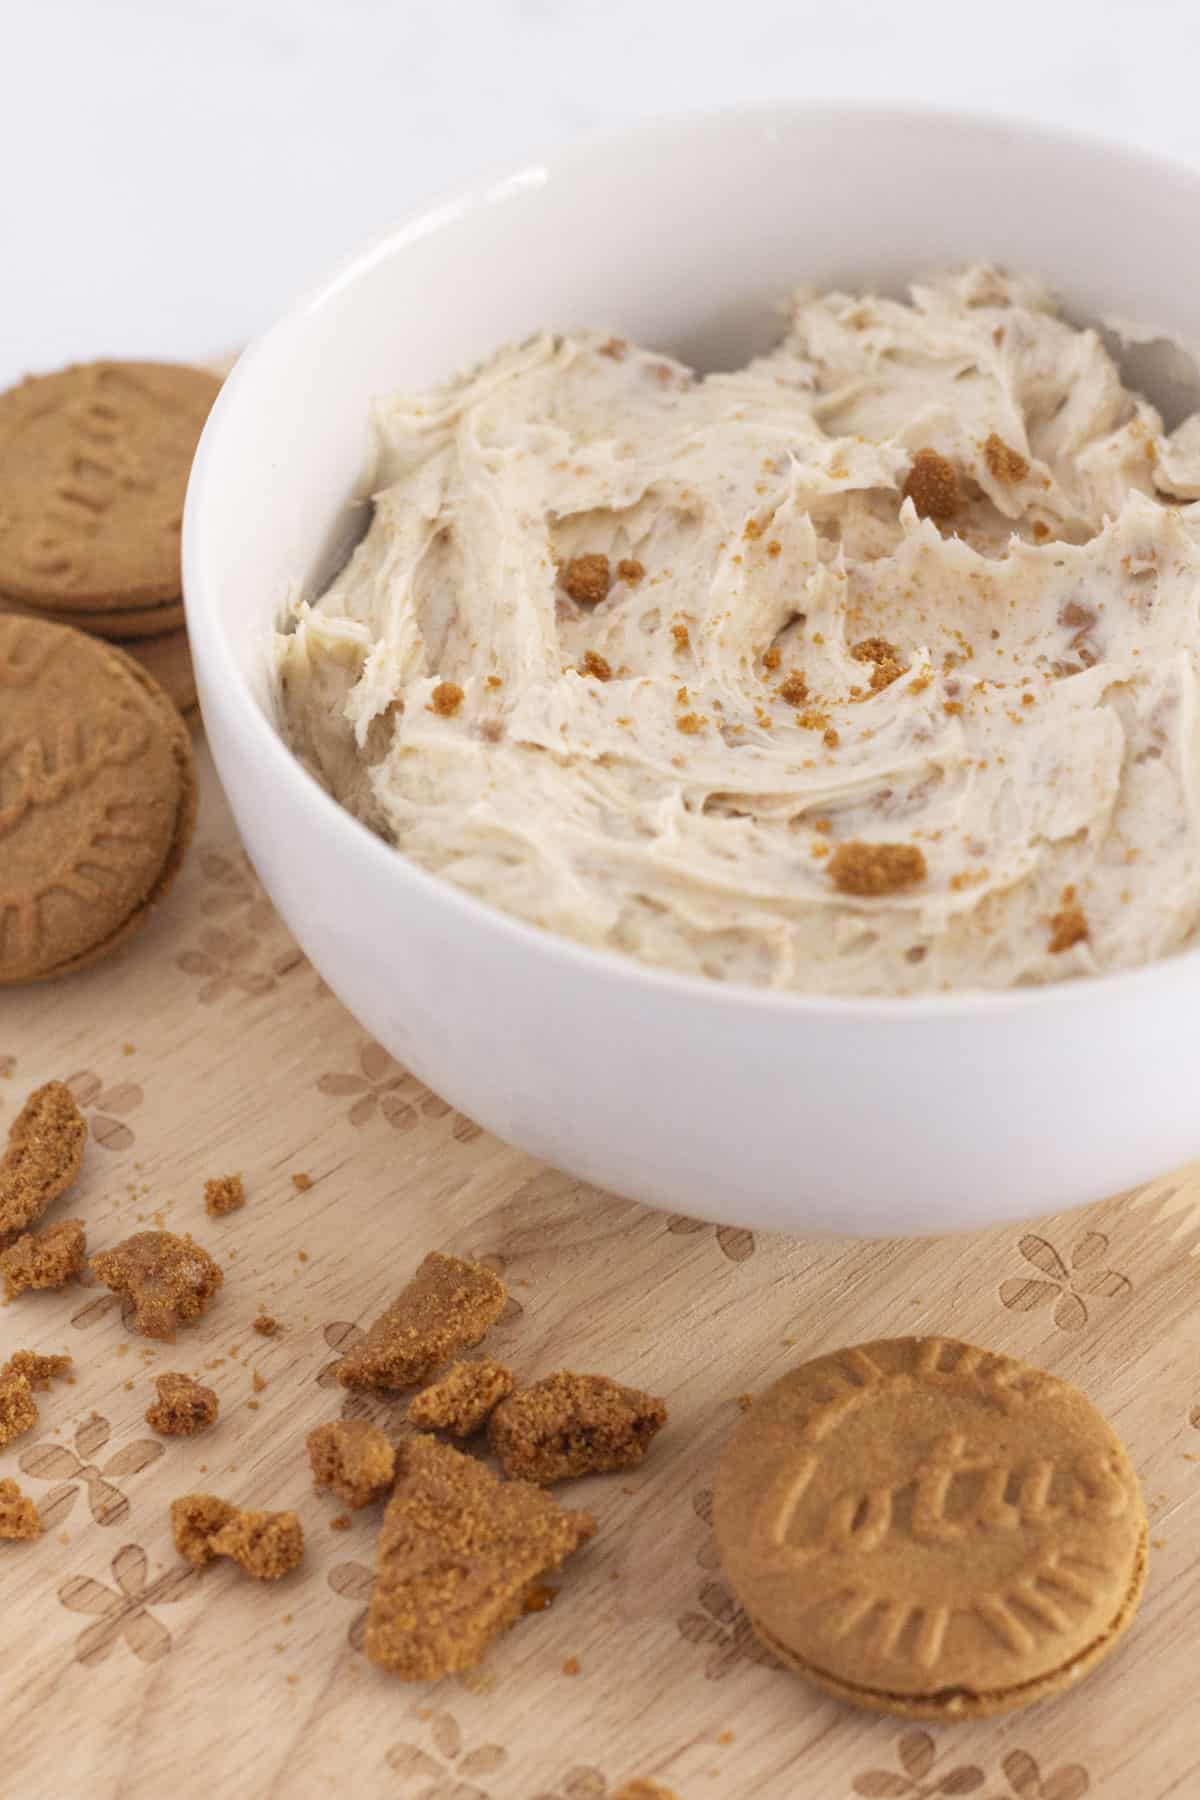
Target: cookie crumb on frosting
x=869, y=870
x=587, y=579
x=933, y=487
x=1006, y=464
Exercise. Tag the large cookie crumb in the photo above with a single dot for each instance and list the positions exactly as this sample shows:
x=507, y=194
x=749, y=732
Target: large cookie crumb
x=448, y=1306
x=169, y=1279
x=458, y=1552
x=45, y=1150
x=266, y=1545
x=44, y=1259
x=570, y=1425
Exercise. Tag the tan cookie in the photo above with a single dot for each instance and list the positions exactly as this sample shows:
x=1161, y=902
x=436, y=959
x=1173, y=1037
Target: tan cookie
x=160, y=645
x=94, y=462
x=927, y=1529
x=97, y=798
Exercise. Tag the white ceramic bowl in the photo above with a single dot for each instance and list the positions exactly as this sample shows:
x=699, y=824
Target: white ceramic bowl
x=862, y=1116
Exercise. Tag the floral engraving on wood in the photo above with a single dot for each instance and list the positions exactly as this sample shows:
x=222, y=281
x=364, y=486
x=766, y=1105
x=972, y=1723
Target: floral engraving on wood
x=353, y=1581
x=381, y=1086
x=733, y=1242
x=918, y=1777
x=234, y=889
x=111, y=1105
x=719, y=1623
x=449, y=1771
x=580, y=1783
x=123, y=1611
x=224, y=962
x=717, y=1620
x=1068, y=1285
x=76, y=1472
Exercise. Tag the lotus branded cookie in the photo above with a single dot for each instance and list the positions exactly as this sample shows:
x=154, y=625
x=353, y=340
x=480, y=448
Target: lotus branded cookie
x=94, y=462
x=924, y=1528
x=97, y=798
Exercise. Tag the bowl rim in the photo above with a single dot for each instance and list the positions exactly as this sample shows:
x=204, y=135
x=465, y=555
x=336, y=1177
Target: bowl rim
x=277, y=762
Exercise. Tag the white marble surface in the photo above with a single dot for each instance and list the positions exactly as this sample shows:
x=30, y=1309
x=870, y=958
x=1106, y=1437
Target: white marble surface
x=174, y=170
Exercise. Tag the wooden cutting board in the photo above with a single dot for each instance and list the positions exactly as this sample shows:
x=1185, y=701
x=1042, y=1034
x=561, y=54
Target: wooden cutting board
x=213, y=1046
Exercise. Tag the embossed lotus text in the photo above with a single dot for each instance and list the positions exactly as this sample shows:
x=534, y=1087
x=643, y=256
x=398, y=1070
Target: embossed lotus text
x=950, y=1494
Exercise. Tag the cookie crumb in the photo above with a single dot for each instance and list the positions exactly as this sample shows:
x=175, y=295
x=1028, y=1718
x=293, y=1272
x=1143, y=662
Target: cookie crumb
x=449, y=1305
x=572, y=1666
x=1068, y=927
x=587, y=579
x=690, y=723
x=169, y=1279
x=933, y=486
x=460, y=1401
x=18, y=1408
x=353, y=1459
x=266, y=1325
x=18, y=1514
x=38, y=1370
x=630, y=570
x=224, y=1194
x=884, y=658
x=340, y=1522
x=598, y=667
x=568, y=1425
x=870, y=870
x=184, y=1406
x=44, y=1259
x=1005, y=464
x=445, y=701
x=793, y=690
x=265, y=1544
x=43, y=1156
x=302, y=1181
x=459, y=1551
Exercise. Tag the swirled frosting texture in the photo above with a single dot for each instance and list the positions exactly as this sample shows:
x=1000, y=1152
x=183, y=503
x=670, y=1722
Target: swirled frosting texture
x=870, y=668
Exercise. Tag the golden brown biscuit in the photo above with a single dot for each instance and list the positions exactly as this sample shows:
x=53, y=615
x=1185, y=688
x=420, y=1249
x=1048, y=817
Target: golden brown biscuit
x=155, y=637
x=94, y=462
x=97, y=798
x=924, y=1528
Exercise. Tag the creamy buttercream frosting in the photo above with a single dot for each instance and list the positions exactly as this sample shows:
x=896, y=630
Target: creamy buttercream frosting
x=870, y=668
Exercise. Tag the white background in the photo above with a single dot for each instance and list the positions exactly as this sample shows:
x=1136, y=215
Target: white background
x=175, y=170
